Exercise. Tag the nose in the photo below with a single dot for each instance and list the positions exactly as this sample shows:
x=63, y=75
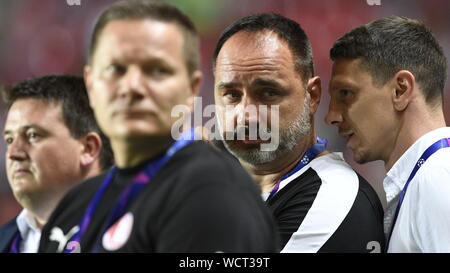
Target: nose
x=133, y=83
x=247, y=111
x=16, y=150
x=334, y=115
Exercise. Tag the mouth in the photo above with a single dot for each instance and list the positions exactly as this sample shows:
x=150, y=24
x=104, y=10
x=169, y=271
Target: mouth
x=248, y=139
x=21, y=172
x=252, y=142
x=246, y=143
x=347, y=136
x=132, y=113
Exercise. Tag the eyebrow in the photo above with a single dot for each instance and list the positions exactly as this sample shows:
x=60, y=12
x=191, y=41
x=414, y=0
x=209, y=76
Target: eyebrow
x=337, y=85
x=148, y=60
x=267, y=83
x=256, y=82
x=228, y=85
x=25, y=128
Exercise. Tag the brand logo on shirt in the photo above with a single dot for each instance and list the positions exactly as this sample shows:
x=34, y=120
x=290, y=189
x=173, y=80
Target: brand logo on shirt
x=56, y=234
x=374, y=246
x=117, y=235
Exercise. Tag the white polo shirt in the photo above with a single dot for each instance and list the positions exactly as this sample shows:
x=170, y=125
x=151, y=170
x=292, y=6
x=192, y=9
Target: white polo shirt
x=423, y=223
x=29, y=232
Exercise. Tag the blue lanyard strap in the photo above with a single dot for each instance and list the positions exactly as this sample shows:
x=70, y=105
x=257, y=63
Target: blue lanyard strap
x=132, y=190
x=442, y=143
x=310, y=154
x=15, y=244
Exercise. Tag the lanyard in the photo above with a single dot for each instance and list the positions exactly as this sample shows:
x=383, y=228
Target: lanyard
x=309, y=155
x=132, y=190
x=442, y=143
x=15, y=244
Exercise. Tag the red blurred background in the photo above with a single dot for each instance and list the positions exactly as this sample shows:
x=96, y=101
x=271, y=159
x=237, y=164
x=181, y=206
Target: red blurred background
x=51, y=37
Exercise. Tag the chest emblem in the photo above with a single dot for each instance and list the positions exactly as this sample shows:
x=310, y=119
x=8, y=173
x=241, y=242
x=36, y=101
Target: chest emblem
x=119, y=233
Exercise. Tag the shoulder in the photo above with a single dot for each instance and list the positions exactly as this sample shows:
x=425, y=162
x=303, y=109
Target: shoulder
x=202, y=163
x=68, y=211
x=201, y=154
x=84, y=189
x=336, y=176
x=432, y=181
x=427, y=198
x=328, y=175
x=12, y=224
x=76, y=199
x=7, y=232
x=333, y=169
x=340, y=208
x=333, y=166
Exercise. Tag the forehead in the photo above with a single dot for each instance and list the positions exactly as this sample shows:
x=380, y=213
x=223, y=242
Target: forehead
x=347, y=73
x=135, y=39
x=24, y=112
x=252, y=53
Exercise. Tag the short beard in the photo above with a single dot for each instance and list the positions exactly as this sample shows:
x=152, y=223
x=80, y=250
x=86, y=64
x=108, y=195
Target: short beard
x=289, y=137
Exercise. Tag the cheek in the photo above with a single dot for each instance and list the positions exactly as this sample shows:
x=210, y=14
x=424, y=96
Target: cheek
x=9, y=164
x=101, y=103
x=286, y=115
x=102, y=93
x=370, y=124
x=174, y=92
x=55, y=162
x=169, y=95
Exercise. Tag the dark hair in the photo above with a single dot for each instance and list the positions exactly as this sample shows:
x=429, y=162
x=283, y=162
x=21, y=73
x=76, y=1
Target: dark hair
x=69, y=92
x=141, y=10
x=391, y=44
x=287, y=29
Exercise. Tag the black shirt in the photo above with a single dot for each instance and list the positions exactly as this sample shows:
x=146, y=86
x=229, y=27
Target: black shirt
x=200, y=201
x=328, y=207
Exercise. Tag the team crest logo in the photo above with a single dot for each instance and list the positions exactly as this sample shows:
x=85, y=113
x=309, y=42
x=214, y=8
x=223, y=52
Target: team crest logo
x=119, y=233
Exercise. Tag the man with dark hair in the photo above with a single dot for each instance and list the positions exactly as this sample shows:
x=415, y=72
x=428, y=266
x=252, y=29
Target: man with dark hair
x=52, y=142
x=387, y=100
x=165, y=194
x=319, y=202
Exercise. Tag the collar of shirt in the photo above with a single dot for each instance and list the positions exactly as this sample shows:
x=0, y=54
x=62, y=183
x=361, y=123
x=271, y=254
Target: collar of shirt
x=398, y=175
x=29, y=232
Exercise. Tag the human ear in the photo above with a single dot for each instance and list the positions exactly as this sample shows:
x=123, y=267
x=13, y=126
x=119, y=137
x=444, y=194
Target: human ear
x=402, y=94
x=314, y=91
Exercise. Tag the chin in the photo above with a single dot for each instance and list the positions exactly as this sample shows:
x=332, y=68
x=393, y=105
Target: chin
x=251, y=153
x=22, y=193
x=360, y=157
x=141, y=131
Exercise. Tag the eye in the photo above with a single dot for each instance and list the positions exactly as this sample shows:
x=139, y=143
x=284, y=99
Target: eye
x=158, y=71
x=116, y=69
x=8, y=140
x=33, y=136
x=232, y=95
x=344, y=94
x=269, y=93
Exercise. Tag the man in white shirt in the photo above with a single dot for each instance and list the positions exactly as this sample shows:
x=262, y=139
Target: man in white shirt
x=387, y=100
x=52, y=142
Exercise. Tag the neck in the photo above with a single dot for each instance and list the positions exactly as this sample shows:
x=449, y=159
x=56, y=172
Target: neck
x=129, y=153
x=40, y=210
x=266, y=175
x=419, y=121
